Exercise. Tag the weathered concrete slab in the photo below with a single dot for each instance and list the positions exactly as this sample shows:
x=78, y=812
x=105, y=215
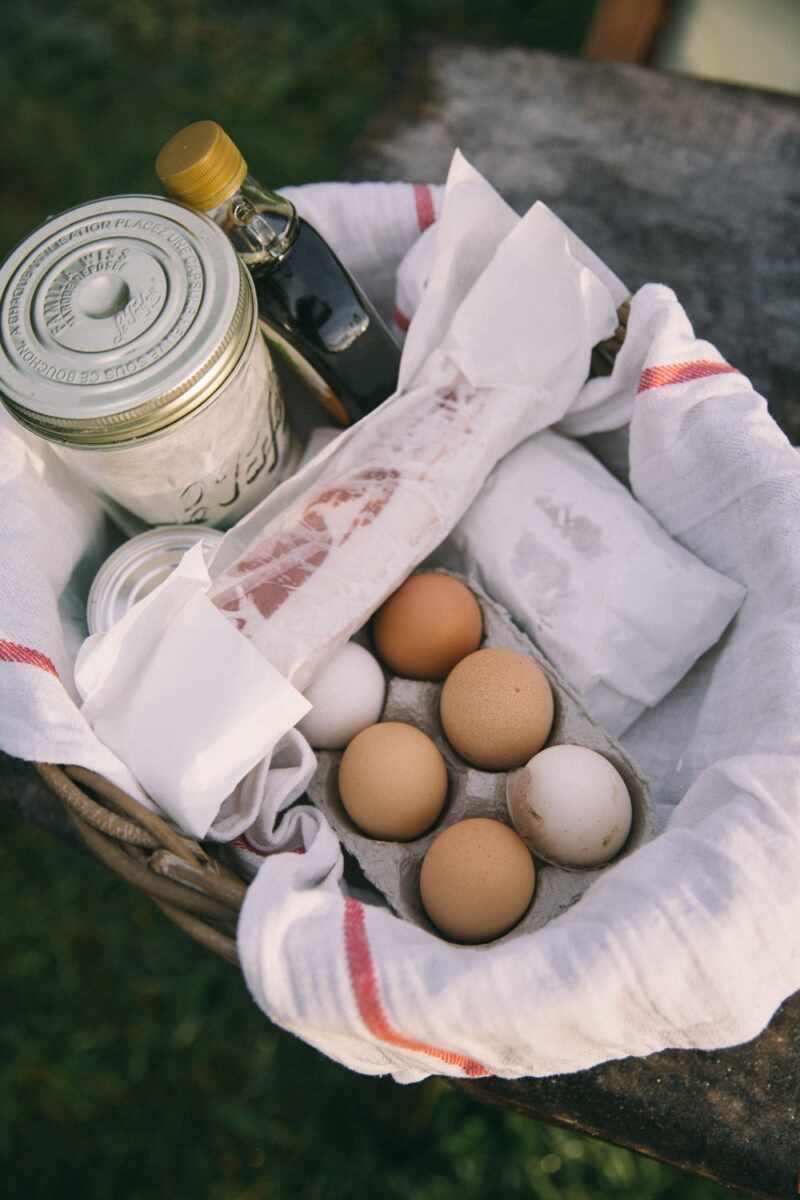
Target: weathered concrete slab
x=669, y=179
x=733, y=1115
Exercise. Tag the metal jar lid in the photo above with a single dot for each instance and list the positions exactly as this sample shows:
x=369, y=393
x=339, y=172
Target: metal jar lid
x=138, y=566
x=118, y=318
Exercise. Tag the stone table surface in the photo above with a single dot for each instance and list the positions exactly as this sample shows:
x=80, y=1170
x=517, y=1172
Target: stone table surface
x=694, y=185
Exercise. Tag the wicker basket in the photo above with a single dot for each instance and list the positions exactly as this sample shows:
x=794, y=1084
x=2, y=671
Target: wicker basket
x=195, y=890
x=188, y=882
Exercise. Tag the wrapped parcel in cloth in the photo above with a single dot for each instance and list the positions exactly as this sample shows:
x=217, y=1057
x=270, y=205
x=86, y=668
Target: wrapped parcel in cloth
x=617, y=605
x=518, y=320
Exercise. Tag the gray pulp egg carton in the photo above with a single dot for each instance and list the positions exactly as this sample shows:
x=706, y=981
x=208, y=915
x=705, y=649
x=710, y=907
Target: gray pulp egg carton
x=394, y=867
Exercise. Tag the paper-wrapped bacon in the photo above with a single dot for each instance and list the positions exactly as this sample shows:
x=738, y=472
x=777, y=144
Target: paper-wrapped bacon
x=311, y=564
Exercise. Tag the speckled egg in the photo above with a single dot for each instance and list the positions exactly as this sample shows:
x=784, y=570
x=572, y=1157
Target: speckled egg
x=477, y=880
x=427, y=626
x=393, y=781
x=497, y=709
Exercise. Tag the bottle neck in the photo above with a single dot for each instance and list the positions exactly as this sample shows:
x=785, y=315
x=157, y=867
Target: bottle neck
x=262, y=225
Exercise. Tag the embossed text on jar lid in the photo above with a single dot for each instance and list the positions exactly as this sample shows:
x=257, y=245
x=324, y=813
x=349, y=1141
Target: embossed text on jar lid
x=119, y=317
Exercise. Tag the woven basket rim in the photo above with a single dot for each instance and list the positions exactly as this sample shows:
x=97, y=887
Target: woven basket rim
x=199, y=893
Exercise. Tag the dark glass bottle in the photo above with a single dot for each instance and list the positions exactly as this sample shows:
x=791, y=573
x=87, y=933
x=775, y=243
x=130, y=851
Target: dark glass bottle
x=310, y=306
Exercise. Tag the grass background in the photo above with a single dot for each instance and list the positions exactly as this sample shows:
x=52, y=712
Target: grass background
x=132, y=1063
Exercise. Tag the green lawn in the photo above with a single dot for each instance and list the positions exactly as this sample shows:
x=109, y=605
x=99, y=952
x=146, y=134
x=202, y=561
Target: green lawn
x=132, y=1064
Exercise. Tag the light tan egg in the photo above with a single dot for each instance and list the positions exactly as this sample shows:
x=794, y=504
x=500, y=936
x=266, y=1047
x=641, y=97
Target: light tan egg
x=477, y=880
x=392, y=781
x=497, y=709
x=428, y=625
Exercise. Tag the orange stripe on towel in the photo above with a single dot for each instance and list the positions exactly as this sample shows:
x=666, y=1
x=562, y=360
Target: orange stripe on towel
x=401, y=320
x=426, y=212
x=683, y=372
x=13, y=652
x=365, y=989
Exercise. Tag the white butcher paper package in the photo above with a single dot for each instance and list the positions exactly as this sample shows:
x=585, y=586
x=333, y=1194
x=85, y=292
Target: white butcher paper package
x=565, y=547
x=667, y=602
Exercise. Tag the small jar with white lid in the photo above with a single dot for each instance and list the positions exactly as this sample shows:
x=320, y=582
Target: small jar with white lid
x=129, y=339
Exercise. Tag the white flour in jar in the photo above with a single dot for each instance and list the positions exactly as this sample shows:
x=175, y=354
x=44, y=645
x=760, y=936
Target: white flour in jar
x=212, y=467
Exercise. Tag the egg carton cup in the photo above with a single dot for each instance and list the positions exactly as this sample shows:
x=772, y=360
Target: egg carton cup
x=394, y=867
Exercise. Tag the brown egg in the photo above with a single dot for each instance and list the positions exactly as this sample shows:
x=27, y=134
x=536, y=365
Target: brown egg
x=497, y=709
x=477, y=880
x=392, y=781
x=427, y=626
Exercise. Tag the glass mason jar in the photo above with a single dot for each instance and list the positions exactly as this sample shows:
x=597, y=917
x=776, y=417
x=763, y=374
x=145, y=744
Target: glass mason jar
x=129, y=339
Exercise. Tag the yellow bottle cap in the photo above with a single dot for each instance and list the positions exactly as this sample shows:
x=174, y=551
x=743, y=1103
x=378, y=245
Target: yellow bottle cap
x=200, y=165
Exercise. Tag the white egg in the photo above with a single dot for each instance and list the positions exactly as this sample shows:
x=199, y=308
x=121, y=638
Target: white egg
x=570, y=805
x=347, y=695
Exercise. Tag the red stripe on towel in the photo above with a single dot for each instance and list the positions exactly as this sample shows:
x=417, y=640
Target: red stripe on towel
x=242, y=842
x=401, y=320
x=423, y=198
x=364, y=982
x=13, y=652
x=682, y=372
